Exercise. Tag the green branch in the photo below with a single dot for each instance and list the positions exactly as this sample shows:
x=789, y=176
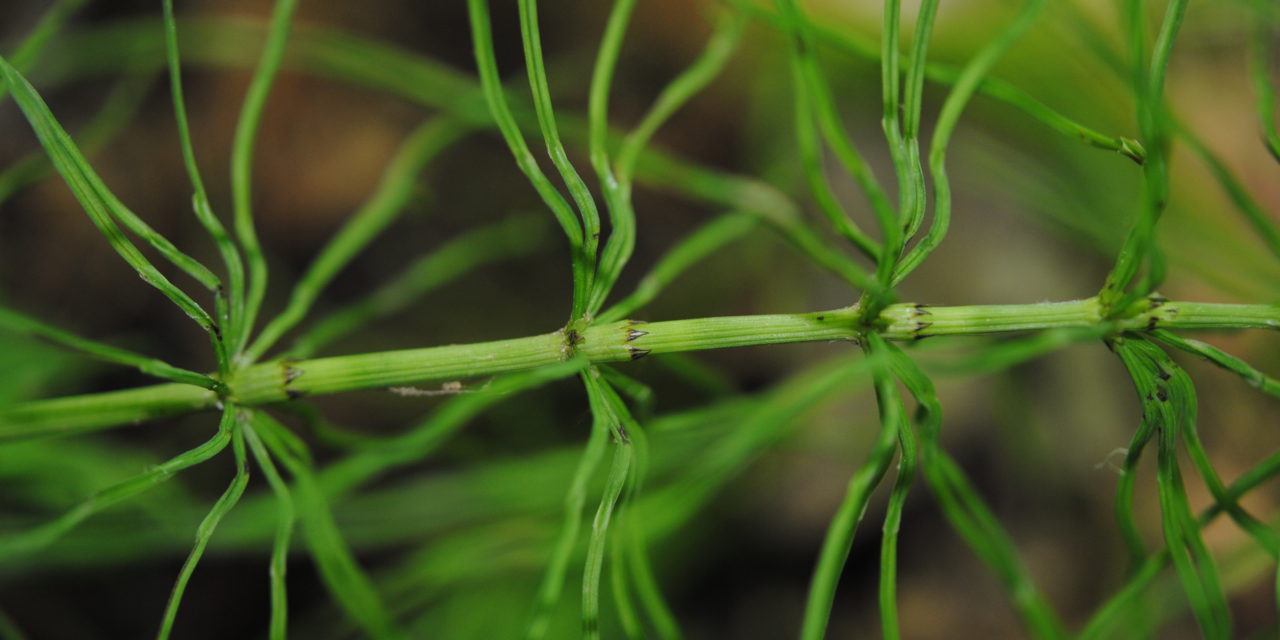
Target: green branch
x=620, y=341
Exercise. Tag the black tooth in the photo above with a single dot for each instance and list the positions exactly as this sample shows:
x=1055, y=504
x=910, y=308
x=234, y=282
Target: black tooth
x=636, y=354
x=632, y=334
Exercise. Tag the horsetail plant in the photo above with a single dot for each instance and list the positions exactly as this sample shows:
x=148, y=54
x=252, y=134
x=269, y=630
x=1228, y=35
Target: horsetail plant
x=595, y=512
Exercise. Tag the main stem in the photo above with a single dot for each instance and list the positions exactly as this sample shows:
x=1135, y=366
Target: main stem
x=283, y=380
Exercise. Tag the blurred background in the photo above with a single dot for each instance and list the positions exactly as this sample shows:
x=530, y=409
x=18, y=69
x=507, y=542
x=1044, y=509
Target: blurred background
x=458, y=542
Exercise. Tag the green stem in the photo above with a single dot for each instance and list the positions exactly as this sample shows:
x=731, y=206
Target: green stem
x=609, y=342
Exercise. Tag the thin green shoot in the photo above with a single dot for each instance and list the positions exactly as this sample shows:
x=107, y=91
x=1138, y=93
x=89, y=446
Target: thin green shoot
x=1153, y=121
x=242, y=147
x=1165, y=403
x=621, y=242
x=225, y=503
x=952, y=107
x=907, y=462
x=119, y=107
x=101, y=206
x=510, y=239
x=808, y=89
x=724, y=41
x=691, y=249
x=1263, y=223
x=343, y=476
x=964, y=508
x=378, y=211
x=200, y=199
x=839, y=538
x=531, y=38
x=349, y=584
x=1255, y=378
x=567, y=541
x=35, y=539
x=285, y=516
x=1262, y=53
x=604, y=401
x=38, y=38
x=491, y=85
x=20, y=323
x=913, y=199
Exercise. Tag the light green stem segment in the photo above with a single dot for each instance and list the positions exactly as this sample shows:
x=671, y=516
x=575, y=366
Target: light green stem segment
x=609, y=342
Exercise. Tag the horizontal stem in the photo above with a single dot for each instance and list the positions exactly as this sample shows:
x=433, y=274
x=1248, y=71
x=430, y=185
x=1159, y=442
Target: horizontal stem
x=286, y=379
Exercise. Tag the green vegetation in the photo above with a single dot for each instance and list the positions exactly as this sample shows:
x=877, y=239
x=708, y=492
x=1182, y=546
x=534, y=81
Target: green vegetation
x=427, y=531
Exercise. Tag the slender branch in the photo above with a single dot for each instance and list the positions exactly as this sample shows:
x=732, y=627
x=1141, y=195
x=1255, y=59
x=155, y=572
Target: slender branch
x=620, y=341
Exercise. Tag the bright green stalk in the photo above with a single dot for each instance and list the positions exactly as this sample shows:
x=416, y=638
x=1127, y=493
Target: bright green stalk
x=510, y=239
x=957, y=99
x=50, y=23
x=536, y=69
x=279, y=625
x=226, y=502
x=35, y=539
x=348, y=583
x=839, y=538
x=23, y=324
x=491, y=85
x=691, y=248
x=608, y=342
x=574, y=501
x=373, y=217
